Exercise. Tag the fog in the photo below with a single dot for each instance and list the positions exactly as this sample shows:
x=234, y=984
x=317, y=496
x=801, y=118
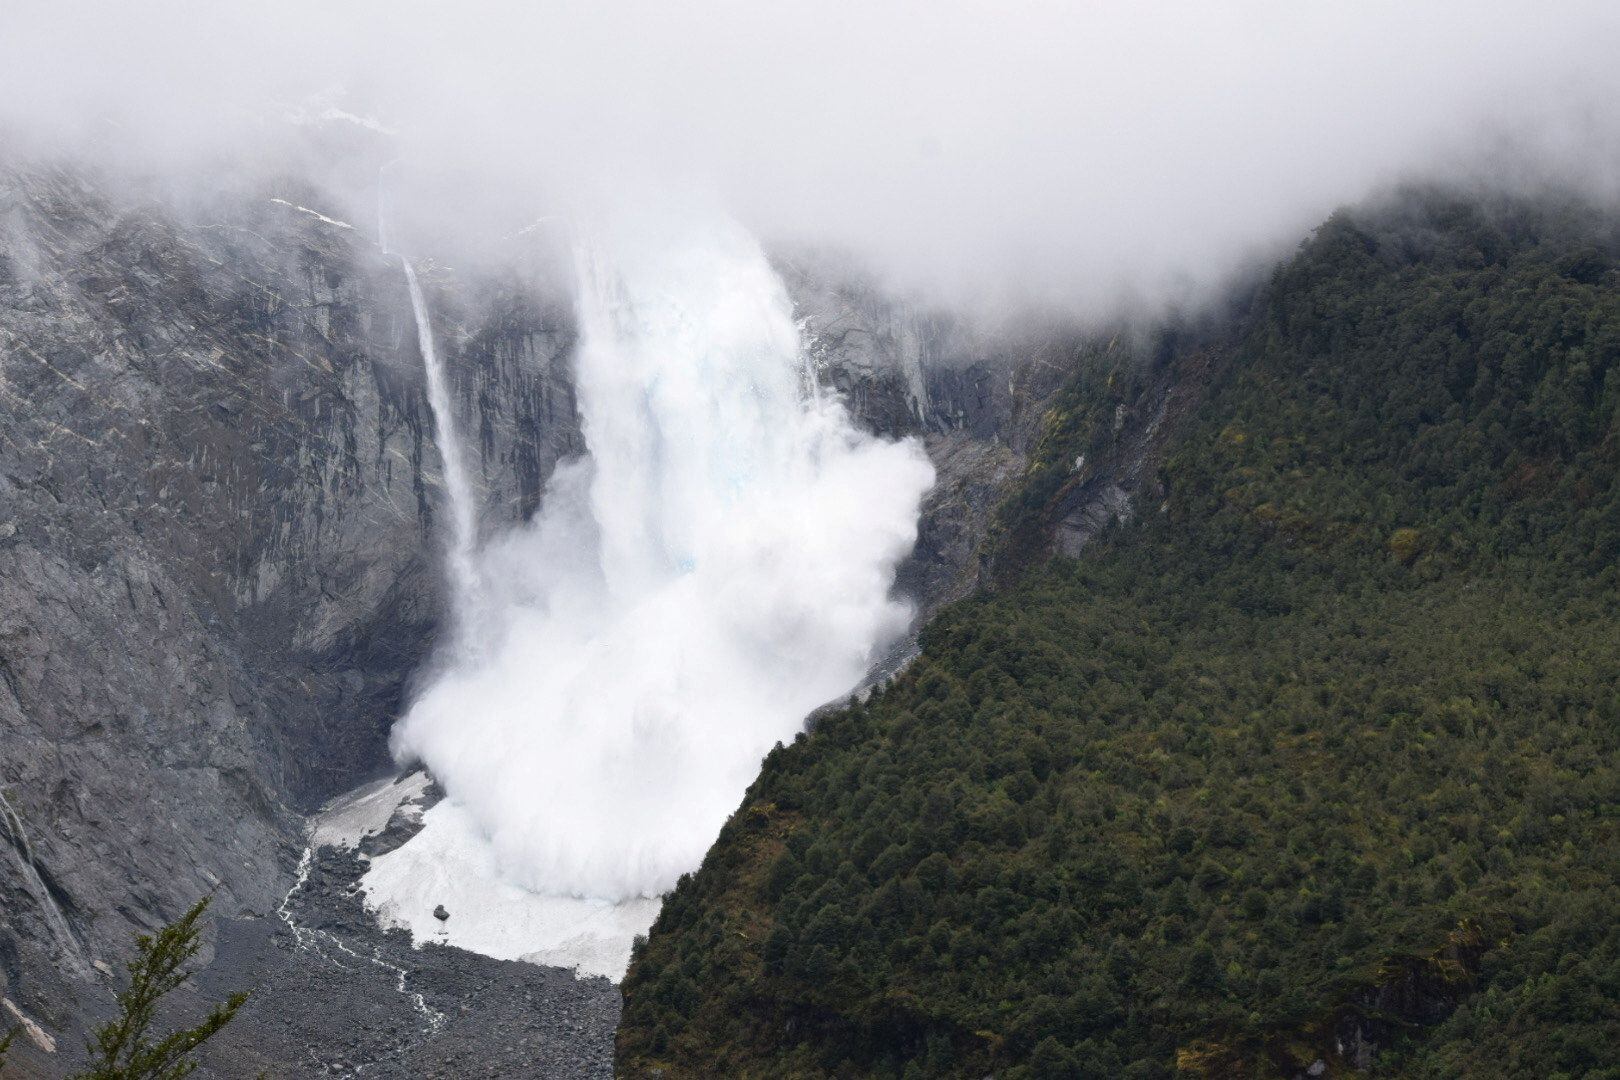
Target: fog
x=1051, y=152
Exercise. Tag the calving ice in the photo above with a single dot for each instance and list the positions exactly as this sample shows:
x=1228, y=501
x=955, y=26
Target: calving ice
x=716, y=567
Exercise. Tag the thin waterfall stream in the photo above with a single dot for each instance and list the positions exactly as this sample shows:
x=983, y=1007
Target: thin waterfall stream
x=461, y=561
x=69, y=945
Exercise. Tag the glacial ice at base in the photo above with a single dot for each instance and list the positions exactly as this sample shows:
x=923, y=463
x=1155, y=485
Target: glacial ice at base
x=450, y=863
x=366, y=811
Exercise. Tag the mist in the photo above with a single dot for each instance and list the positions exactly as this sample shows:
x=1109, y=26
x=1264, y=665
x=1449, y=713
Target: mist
x=1080, y=155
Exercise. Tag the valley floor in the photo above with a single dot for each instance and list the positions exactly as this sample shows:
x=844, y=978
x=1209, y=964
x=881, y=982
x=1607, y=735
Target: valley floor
x=332, y=1006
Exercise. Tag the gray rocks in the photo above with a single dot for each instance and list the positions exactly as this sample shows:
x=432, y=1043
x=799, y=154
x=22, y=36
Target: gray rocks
x=1105, y=491
x=219, y=566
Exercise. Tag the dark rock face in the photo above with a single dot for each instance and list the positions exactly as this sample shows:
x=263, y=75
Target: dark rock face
x=219, y=562
x=218, y=486
x=1109, y=490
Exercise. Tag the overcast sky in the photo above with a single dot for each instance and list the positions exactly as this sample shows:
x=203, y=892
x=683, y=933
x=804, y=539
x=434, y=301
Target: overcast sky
x=1055, y=150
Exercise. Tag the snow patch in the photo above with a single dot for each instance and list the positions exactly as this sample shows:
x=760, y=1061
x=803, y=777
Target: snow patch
x=342, y=116
x=314, y=213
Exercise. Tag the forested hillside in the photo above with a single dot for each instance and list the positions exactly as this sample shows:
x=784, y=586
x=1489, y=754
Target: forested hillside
x=1319, y=760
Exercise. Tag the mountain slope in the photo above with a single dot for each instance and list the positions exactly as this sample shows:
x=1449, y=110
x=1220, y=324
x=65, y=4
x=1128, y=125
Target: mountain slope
x=1314, y=762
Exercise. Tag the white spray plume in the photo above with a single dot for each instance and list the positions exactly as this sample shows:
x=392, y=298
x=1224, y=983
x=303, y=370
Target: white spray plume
x=718, y=566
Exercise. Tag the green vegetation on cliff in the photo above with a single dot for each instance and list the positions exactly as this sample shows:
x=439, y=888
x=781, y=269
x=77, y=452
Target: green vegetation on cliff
x=1321, y=759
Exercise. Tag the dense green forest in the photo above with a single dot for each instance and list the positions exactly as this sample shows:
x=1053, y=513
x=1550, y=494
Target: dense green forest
x=1317, y=760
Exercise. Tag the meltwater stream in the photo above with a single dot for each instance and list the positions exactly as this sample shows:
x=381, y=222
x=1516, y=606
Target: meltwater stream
x=71, y=953
x=715, y=568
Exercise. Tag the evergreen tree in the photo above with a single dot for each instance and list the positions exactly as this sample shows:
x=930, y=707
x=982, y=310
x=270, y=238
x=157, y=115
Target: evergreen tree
x=122, y=1048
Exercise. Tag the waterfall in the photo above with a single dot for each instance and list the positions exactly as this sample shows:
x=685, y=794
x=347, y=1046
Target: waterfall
x=462, y=562
x=55, y=921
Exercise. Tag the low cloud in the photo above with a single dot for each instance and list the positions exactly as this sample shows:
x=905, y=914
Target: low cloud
x=1071, y=153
